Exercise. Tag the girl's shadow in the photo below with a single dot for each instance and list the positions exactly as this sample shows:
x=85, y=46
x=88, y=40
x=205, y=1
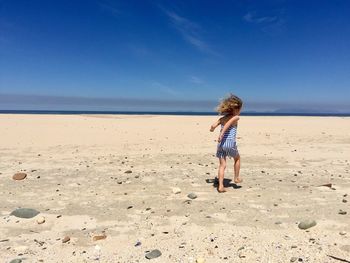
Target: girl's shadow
x=227, y=183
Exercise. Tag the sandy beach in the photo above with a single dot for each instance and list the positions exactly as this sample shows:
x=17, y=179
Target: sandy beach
x=116, y=187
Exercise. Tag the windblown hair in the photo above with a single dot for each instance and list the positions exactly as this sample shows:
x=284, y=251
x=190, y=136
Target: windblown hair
x=229, y=104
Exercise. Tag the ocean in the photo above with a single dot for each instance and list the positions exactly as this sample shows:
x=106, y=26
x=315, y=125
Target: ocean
x=181, y=113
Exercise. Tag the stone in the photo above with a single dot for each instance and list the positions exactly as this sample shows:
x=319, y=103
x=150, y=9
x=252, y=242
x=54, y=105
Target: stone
x=128, y=172
x=99, y=237
x=293, y=259
x=65, y=239
x=19, y=176
x=307, y=224
x=153, y=254
x=341, y=212
x=176, y=190
x=138, y=243
x=16, y=260
x=342, y=233
x=192, y=196
x=40, y=220
x=25, y=213
x=200, y=260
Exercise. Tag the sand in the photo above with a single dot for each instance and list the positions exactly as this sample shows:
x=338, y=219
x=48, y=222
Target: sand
x=113, y=176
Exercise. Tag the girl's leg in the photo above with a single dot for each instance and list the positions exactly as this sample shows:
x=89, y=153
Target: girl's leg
x=222, y=167
x=237, y=167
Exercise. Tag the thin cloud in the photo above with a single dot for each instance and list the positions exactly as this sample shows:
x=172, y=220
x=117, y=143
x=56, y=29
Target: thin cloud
x=271, y=25
x=109, y=7
x=164, y=89
x=251, y=17
x=189, y=31
x=196, y=80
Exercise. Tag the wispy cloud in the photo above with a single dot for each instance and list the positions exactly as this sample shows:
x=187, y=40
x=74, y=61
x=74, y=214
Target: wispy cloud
x=109, y=6
x=196, y=80
x=189, y=30
x=253, y=18
x=269, y=24
x=164, y=88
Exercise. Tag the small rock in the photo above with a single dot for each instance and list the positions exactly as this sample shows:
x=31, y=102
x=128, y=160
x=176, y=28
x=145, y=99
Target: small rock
x=153, y=254
x=176, y=190
x=241, y=255
x=138, y=243
x=192, y=196
x=293, y=259
x=341, y=212
x=278, y=223
x=128, y=172
x=99, y=237
x=40, y=220
x=25, y=213
x=345, y=201
x=65, y=239
x=16, y=260
x=200, y=260
x=19, y=176
x=307, y=224
x=342, y=233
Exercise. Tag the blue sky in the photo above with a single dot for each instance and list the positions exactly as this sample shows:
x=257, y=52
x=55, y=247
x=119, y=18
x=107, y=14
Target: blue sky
x=270, y=53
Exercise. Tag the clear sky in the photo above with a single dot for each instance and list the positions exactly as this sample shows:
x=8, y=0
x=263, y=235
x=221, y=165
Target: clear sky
x=270, y=53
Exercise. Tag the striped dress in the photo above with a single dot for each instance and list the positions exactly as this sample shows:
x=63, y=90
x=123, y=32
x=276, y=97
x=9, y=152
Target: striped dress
x=228, y=146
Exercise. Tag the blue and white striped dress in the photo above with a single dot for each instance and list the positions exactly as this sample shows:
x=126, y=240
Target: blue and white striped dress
x=228, y=146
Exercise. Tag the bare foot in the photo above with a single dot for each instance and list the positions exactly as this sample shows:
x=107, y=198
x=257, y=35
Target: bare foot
x=221, y=190
x=238, y=180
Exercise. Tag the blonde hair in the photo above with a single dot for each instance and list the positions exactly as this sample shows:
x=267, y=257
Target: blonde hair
x=229, y=104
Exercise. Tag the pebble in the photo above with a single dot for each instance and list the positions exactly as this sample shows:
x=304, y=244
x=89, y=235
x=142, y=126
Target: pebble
x=128, y=172
x=16, y=260
x=192, y=196
x=138, y=243
x=65, y=239
x=153, y=254
x=40, y=220
x=176, y=190
x=293, y=259
x=24, y=212
x=200, y=260
x=19, y=176
x=307, y=224
x=345, y=201
x=342, y=233
x=341, y=212
x=99, y=237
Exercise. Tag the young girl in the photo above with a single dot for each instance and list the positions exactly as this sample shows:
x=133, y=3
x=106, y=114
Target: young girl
x=230, y=107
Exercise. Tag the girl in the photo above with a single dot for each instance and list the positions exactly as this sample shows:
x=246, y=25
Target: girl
x=230, y=107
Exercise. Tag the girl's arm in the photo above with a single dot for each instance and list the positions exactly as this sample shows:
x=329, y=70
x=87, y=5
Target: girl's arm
x=216, y=124
x=227, y=125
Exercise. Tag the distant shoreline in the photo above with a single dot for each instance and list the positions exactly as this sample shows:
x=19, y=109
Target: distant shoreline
x=178, y=113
